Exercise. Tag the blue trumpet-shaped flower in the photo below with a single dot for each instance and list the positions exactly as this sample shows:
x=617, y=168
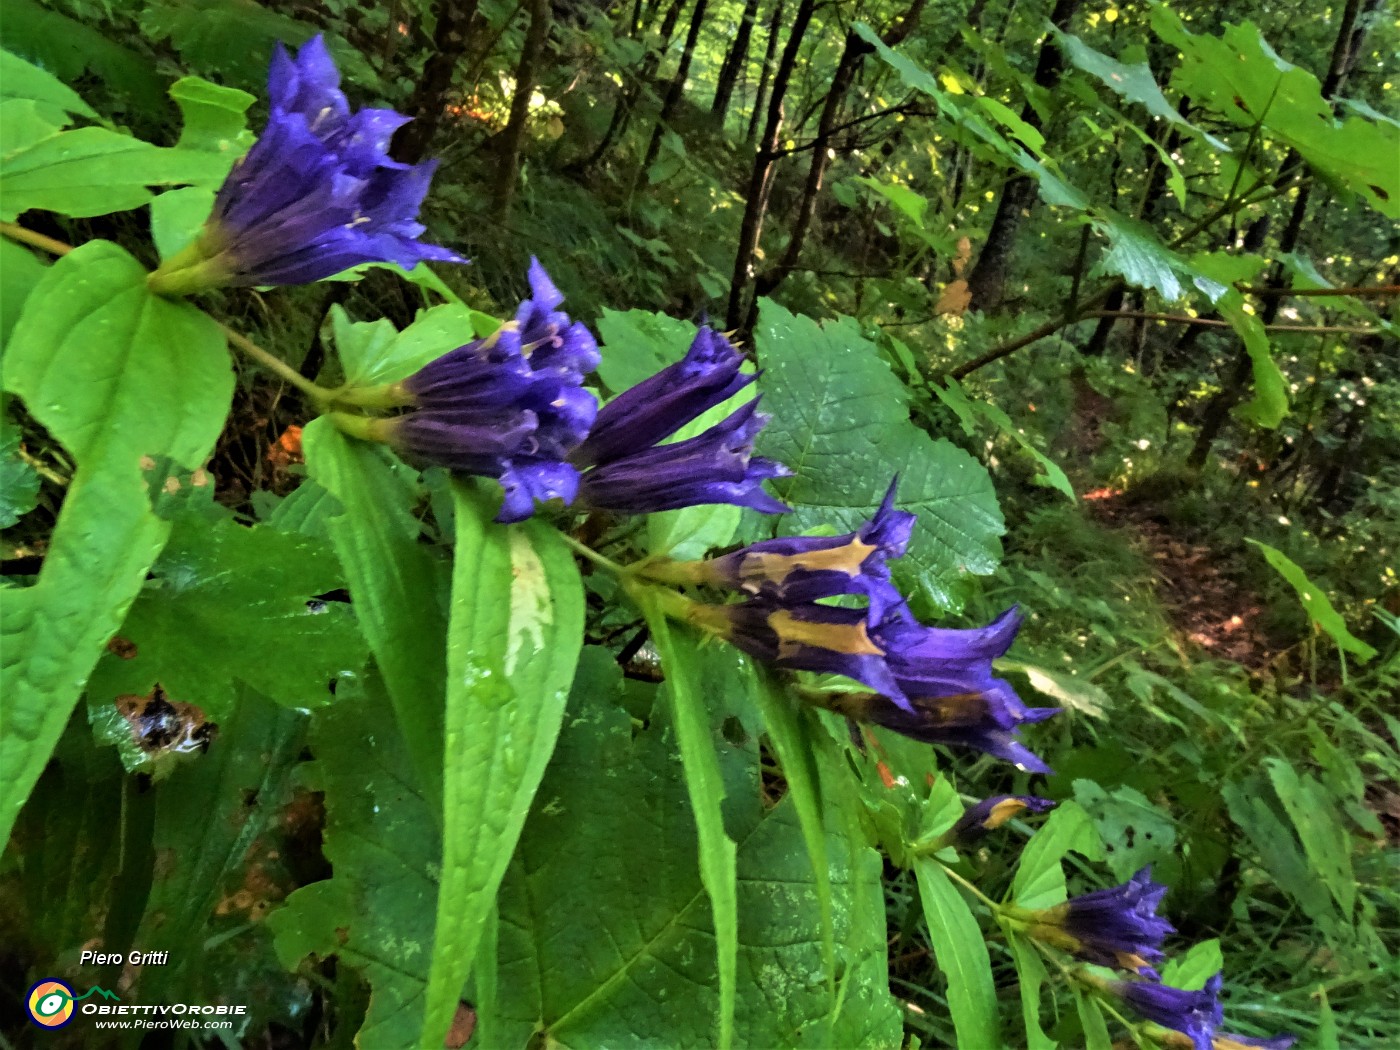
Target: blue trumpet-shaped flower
x=798, y=569
x=657, y=407
x=630, y=471
x=509, y=407
x=991, y=813
x=718, y=466
x=317, y=193
x=1114, y=927
x=1196, y=1015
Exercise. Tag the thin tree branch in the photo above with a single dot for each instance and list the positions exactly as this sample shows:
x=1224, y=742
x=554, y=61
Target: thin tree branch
x=1312, y=329
x=1360, y=292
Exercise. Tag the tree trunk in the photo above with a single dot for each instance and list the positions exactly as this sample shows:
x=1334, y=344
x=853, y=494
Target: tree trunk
x=622, y=112
x=1345, y=53
x=769, y=50
x=676, y=88
x=760, y=179
x=987, y=281
x=733, y=63
x=425, y=105
x=514, y=134
x=852, y=57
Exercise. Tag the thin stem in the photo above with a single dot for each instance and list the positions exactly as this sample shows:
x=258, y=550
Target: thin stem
x=1361, y=292
x=36, y=240
x=593, y=556
x=997, y=909
x=277, y=366
x=1306, y=329
x=43, y=469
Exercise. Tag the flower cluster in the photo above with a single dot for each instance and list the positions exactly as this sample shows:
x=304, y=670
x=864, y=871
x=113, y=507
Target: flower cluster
x=932, y=684
x=318, y=192
x=1113, y=927
x=511, y=407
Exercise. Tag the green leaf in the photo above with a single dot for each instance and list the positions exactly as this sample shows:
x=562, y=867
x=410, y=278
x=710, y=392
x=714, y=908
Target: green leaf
x=1134, y=832
x=1137, y=255
x=790, y=735
x=19, y=484
x=70, y=49
x=1040, y=882
x=1270, y=402
x=21, y=79
x=1320, y=829
x=1241, y=77
x=705, y=786
x=1091, y=1018
x=638, y=343
x=221, y=592
x=115, y=374
x=1030, y=973
x=1133, y=82
x=514, y=636
x=236, y=37
x=1250, y=807
x=382, y=841
x=911, y=205
x=1201, y=962
x=1315, y=602
x=1074, y=691
x=93, y=171
x=960, y=949
x=398, y=588
x=606, y=933
x=375, y=352
x=177, y=216
x=841, y=424
x=208, y=813
x=214, y=118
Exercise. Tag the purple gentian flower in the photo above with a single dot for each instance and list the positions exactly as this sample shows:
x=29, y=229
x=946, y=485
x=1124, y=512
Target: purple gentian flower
x=956, y=700
x=975, y=718
x=1113, y=927
x=657, y=407
x=317, y=194
x=717, y=467
x=1195, y=1014
x=509, y=407
x=798, y=569
x=991, y=813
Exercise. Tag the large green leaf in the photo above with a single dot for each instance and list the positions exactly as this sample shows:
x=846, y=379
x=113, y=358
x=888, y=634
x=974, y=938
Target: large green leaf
x=606, y=935
x=399, y=589
x=705, y=785
x=960, y=949
x=21, y=79
x=382, y=840
x=375, y=352
x=1241, y=77
x=93, y=171
x=513, y=643
x=115, y=374
x=220, y=592
x=1320, y=829
x=1040, y=881
x=1315, y=602
x=841, y=423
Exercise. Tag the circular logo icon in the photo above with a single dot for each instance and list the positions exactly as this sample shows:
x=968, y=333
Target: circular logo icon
x=50, y=1003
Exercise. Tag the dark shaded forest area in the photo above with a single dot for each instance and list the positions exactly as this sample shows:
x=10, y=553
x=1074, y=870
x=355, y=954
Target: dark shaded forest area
x=683, y=523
